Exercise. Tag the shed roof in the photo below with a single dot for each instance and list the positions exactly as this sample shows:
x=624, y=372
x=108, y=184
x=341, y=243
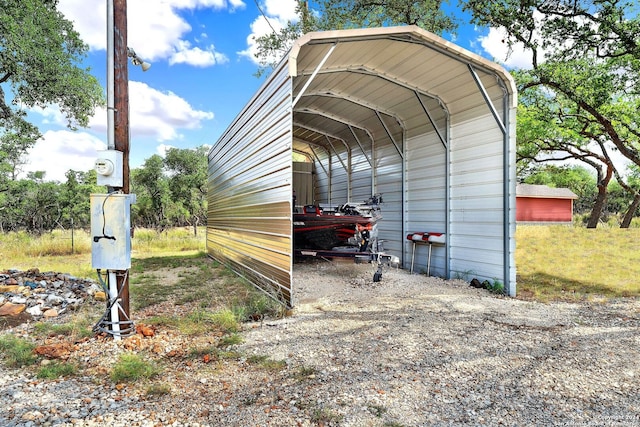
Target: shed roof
x=543, y=191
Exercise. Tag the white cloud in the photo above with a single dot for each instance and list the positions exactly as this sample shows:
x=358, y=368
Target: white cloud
x=155, y=114
x=496, y=44
x=152, y=113
x=58, y=151
x=51, y=115
x=185, y=54
x=163, y=148
x=278, y=12
x=284, y=10
x=154, y=28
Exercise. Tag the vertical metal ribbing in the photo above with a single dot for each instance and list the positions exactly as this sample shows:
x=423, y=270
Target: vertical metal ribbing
x=503, y=125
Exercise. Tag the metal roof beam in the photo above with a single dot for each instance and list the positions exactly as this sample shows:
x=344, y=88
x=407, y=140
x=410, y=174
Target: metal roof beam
x=346, y=167
x=357, y=101
x=348, y=149
x=433, y=123
x=393, y=141
x=315, y=155
x=316, y=130
x=487, y=100
x=331, y=116
x=313, y=75
x=360, y=145
x=408, y=38
x=361, y=69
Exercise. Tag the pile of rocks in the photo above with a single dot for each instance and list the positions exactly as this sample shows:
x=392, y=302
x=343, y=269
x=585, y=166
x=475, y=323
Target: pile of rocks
x=43, y=295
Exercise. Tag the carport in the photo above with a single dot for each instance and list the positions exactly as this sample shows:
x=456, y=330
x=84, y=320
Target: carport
x=395, y=111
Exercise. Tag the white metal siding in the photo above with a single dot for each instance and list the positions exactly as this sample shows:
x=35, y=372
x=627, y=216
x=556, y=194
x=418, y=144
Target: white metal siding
x=426, y=200
x=250, y=191
x=389, y=166
x=476, y=191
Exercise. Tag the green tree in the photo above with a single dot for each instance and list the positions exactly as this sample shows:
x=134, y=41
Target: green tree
x=75, y=198
x=15, y=140
x=585, y=60
x=187, y=170
x=40, y=54
x=549, y=130
x=427, y=14
x=632, y=188
x=12, y=210
x=343, y=14
x=153, y=198
x=31, y=204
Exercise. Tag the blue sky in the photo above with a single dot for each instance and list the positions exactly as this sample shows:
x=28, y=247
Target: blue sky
x=202, y=74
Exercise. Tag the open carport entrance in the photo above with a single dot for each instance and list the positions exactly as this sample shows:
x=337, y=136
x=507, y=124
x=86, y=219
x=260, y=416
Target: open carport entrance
x=391, y=111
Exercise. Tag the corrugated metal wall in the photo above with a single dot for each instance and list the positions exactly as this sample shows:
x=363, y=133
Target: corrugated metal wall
x=389, y=176
x=303, y=183
x=476, y=239
x=249, y=222
x=426, y=199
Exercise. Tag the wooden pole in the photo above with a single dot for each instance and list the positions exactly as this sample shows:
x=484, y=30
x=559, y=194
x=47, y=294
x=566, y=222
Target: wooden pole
x=121, y=118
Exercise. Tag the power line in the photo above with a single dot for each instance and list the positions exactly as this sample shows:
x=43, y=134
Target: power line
x=265, y=18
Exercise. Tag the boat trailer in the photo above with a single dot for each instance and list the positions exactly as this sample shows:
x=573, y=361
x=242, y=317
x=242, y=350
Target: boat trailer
x=349, y=231
x=380, y=258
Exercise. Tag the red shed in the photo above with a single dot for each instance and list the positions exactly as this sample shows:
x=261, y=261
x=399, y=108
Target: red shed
x=536, y=204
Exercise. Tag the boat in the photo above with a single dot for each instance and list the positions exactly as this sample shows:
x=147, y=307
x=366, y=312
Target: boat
x=349, y=227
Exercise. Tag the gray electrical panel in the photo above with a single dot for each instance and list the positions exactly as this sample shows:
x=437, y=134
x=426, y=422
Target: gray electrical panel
x=111, y=231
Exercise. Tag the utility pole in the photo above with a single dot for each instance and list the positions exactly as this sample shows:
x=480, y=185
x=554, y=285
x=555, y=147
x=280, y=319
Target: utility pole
x=121, y=119
x=111, y=212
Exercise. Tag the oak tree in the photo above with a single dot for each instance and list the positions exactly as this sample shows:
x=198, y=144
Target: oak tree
x=40, y=65
x=343, y=14
x=584, y=73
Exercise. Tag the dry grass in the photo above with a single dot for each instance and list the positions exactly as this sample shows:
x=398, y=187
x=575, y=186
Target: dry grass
x=56, y=251
x=553, y=262
x=575, y=263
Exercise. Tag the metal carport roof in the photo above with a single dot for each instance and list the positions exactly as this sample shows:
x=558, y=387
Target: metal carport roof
x=371, y=101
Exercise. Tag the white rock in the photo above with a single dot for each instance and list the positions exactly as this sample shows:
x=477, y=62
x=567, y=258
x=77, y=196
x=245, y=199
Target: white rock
x=36, y=310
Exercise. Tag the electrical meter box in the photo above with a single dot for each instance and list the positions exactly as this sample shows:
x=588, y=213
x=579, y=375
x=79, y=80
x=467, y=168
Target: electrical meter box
x=111, y=231
x=108, y=167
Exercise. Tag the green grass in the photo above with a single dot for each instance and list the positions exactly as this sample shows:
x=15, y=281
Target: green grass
x=158, y=390
x=575, y=263
x=194, y=279
x=132, y=367
x=17, y=352
x=57, y=369
x=305, y=372
x=377, y=410
x=321, y=416
x=200, y=321
x=78, y=328
x=267, y=363
x=229, y=340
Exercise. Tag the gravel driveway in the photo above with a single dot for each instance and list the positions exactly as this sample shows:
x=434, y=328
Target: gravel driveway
x=407, y=351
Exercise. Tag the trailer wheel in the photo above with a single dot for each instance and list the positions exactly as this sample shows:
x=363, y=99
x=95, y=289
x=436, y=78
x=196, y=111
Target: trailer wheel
x=377, y=276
